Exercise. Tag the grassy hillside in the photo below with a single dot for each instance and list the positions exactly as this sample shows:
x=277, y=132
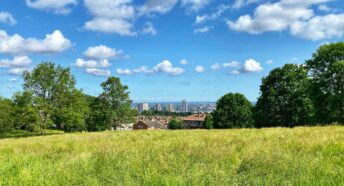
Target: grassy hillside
x=300, y=156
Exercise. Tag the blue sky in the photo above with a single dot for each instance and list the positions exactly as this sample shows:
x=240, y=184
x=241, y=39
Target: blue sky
x=165, y=50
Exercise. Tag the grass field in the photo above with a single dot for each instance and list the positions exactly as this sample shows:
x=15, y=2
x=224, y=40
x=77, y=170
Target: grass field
x=300, y=156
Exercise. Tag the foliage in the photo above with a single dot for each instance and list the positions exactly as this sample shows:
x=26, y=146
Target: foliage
x=284, y=99
x=298, y=156
x=175, y=124
x=208, y=123
x=55, y=96
x=233, y=110
x=26, y=116
x=327, y=71
x=112, y=107
x=6, y=115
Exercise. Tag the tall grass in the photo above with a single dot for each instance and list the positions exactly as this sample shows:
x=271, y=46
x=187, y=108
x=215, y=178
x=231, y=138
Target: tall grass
x=299, y=156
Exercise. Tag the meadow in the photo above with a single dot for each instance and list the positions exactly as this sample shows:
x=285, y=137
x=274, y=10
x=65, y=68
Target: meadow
x=276, y=156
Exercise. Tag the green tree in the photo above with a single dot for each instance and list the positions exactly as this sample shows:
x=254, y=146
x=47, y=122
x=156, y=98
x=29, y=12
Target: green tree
x=55, y=96
x=284, y=99
x=112, y=107
x=175, y=124
x=26, y=116
x=208, y=123
x=326, y=69
x=233, y=110
x=6, y=115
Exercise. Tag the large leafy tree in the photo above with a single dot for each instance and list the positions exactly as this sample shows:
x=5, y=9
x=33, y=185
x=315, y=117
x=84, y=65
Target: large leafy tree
x=6, y=115
x=327, y=71
x=55, y=96
x=233, y=110
x=112, y=107
x=284, y=99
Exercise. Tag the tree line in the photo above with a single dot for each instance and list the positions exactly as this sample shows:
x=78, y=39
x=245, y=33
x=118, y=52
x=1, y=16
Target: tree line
x=50, y=99
x=293, y=95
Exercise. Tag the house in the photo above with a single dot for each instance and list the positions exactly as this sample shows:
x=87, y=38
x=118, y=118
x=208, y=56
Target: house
x=194, y=121
x=149, y=125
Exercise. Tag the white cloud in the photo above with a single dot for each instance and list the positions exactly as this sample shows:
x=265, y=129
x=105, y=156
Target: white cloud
x=157, y=6
x=111, y=16
x=252, y=66
x=195, y=5
x=98, y=72
x=101, y=52
x=320, y=27
x=296, y=16
x=240, y=3
x=17, y=71
x=215, y=67
x=184, y=62
x=149, y=29
x=324, y=8
x=56, y=6
x=124, y=71
x=13, y=80
x=202, y=30
x=199, y=69
x=235, y=72
x=92, y=63
x=211, y=17
x=269, y=62
x=53, y=43
x=18, y=61
x=164, y=67
x=167, y=67
x=231, y=64
x=6, y=17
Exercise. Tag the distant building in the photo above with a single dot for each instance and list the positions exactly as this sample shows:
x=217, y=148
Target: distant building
x=158, y=107
x=170, y=108
x=142, y=107
x=184, y=106
x=194, y=121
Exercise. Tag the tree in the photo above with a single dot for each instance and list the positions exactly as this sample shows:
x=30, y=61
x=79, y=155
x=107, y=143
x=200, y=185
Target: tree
x=284, y=99
x=208, y=123
x=175, y=124
x=112, y=107
x=6, y=113
x=326, y=69
x=26, y=116
x=55, y=96
x=233, y=110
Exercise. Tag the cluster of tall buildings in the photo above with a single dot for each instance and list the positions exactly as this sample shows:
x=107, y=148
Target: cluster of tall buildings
x=179, y=107
x=167, y=107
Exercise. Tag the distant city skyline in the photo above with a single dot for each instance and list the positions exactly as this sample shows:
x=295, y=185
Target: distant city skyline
x=164, y=50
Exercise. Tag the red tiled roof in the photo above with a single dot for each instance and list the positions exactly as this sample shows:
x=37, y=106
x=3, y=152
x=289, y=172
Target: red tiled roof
x=195, y=117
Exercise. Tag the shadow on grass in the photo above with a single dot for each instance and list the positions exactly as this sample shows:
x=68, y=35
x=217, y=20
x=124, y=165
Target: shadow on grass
x=25, y=134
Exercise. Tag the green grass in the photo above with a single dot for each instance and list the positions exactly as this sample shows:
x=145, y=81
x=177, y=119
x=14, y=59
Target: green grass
x=299, y=156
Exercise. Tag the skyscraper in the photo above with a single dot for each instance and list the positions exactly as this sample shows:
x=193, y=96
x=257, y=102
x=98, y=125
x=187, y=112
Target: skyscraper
x=142, y=107
x=184, y=106
x=158, y=107
x=170, y=108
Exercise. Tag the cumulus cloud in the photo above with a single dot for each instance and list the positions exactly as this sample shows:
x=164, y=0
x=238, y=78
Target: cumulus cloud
x=211, y=17
x=6, y=17
x=149, y=29
x=240, y=3
x=231, y=64
x=252, y=65
x=111, y=16
x=157, y=6
x=18, y=61
x=184, y=62
x=195, y=5
x=296, y=16
x=164, y=67
x=53, y=43
x=98, y=72
x=215, y=67
x=56, y=6
x=17, y=71
x=320, y=27
x=202, y=30
x=92, y=63
x=199, y=69
x=102, y=52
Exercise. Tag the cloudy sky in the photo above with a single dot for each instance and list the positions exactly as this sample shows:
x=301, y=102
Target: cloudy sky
x=164, y=50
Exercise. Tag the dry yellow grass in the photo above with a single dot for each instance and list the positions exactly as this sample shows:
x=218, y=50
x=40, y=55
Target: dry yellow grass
x=299, y=156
